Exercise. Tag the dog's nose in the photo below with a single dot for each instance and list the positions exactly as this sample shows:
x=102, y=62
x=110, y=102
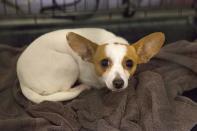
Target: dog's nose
x=118, y=83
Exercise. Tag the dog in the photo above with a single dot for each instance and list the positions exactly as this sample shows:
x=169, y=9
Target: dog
x=49, y=67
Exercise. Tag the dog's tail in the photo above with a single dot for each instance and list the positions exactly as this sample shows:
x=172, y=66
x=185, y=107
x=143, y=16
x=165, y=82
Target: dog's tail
x=58, y=96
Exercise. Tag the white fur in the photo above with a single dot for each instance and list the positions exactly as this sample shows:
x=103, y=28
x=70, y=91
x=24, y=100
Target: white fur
x=116, y=53
x=48, y=67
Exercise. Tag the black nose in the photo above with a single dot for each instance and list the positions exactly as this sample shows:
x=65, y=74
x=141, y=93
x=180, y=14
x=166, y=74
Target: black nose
x=118, y=83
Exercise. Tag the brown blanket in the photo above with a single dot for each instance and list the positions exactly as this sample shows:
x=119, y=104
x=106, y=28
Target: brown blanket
x=152, y=102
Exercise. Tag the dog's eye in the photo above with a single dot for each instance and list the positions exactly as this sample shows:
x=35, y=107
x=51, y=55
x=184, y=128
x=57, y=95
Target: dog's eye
x=105, y=63
x=129, y=63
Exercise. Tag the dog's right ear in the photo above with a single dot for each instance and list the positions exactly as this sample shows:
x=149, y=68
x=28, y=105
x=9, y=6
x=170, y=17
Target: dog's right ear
x=82, y=46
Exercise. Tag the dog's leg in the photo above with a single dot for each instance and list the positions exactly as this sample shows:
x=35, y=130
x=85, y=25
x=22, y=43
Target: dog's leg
x=80, y=87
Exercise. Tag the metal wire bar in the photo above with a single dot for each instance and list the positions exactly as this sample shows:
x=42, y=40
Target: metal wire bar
x=57, y=7
x=29, y=6
x=5, y=9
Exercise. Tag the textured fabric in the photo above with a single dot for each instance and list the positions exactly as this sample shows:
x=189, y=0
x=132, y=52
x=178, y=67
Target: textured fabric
x=152, y=102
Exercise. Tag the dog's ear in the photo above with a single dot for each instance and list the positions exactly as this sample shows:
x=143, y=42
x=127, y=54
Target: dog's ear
x=82, y=46
x=149, y=46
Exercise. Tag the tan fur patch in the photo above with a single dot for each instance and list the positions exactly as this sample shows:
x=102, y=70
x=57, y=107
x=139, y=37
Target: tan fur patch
x=100, y=55
x=130, y=55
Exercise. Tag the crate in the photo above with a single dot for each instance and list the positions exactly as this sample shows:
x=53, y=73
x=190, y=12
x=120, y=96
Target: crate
x=21, y=21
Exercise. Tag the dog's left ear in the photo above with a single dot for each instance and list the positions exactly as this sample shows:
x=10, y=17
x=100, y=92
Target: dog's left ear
x=149, y=46
x=82, y=46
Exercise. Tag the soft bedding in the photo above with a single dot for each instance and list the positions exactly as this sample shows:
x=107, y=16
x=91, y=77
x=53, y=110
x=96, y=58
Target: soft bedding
x=152, y=102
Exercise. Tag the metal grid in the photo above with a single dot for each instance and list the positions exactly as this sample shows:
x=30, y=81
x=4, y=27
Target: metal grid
x=80, y=9
x=130, y=19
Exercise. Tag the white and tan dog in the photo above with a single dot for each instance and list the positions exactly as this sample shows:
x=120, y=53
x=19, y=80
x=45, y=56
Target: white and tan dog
x=50, y=65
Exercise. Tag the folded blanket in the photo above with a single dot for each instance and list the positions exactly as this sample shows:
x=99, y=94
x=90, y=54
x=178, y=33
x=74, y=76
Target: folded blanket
x=152, y=102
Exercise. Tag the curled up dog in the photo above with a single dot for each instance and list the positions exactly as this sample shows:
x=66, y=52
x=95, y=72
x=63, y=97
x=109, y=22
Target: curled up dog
x=50, y=65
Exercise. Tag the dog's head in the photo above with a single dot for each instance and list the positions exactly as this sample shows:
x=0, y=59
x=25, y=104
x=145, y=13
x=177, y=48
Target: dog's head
x=115, y=62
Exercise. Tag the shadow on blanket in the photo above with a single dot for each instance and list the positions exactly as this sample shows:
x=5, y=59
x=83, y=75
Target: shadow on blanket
x=153, y=101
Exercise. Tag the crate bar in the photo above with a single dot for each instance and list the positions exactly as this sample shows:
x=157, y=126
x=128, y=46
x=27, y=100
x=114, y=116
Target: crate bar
x=16, y=6
x=5, y=8
x=75, y=6
x=29, y=7
x=85, y=5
